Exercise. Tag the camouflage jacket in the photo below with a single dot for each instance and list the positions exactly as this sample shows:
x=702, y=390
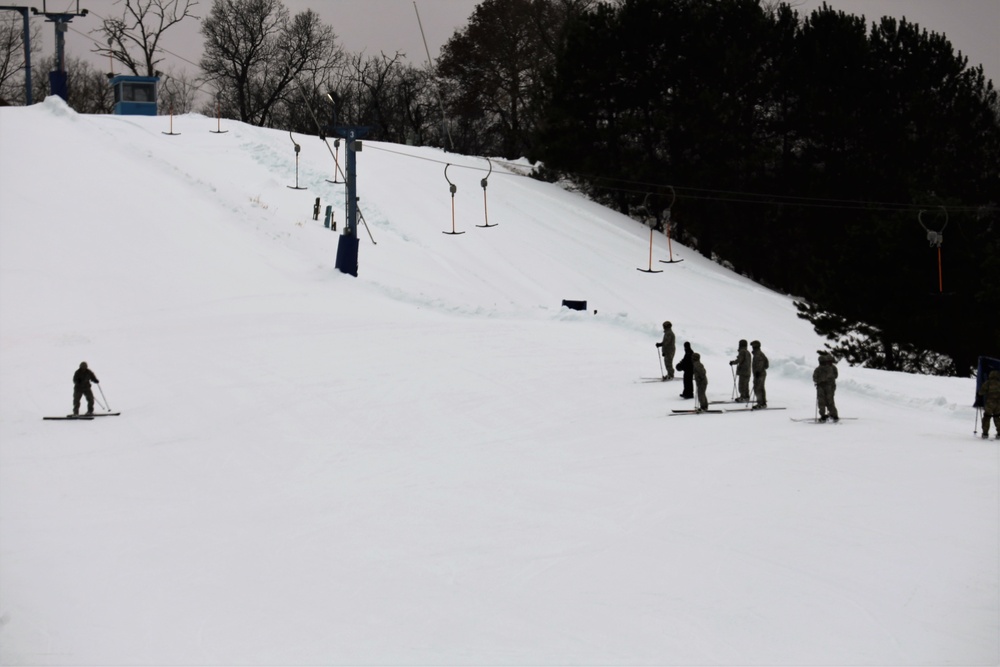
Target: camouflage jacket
x=825, y=373
x=742, y=362
x=83, y=377
x=760, y=363
x=669, y=344
x=700, y=375
x=990, y=391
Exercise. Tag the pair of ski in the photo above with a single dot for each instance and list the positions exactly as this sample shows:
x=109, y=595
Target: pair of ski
x=676, y=413
x=659, y=379
x=816, y=420
x=83, y=417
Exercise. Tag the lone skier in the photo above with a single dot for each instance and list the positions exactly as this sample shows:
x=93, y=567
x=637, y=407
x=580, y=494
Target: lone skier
x=990, y=391
x=668, y=346
x=759, y=366
x=825, y=378
x=81, y=388
x=686, y=366
x=743, y=371
x=701, y=381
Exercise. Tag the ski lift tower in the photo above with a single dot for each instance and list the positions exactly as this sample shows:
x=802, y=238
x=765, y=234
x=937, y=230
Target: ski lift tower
x=57, y=79
x=347, y=246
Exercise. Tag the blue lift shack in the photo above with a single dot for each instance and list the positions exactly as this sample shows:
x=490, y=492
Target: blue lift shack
x=135, y=95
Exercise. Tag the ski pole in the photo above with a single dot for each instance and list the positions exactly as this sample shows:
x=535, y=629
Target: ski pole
x=663, y=373
x=106, y=406
x=975, y=425
x=733, y=369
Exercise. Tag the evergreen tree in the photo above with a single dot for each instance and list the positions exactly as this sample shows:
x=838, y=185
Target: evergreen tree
x=802, y=151
x=497, y=71
x=919, y=128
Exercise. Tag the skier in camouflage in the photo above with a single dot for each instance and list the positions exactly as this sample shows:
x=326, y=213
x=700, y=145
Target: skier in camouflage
x=743, y=370
x=81, y=388
x=668, y=346
x=825, y=379
x=759, y=366
x=700, y=381
x=686, y=366
x=990, y=391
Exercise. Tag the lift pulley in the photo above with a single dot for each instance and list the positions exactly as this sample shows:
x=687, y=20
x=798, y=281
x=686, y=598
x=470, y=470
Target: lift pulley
x=486, y=213
x=935, y=238
x=666, y=228
x=453, y=189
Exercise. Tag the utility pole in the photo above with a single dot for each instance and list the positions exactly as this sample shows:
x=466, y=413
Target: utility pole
x=58, y=84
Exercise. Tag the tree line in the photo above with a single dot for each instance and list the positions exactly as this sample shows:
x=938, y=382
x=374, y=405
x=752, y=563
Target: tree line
x=802, y=150
x=816, y=154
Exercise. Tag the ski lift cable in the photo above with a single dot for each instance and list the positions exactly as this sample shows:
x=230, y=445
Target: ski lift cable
x=733, y=196
x=772, y=199
x=802, y=202
x=765, y=198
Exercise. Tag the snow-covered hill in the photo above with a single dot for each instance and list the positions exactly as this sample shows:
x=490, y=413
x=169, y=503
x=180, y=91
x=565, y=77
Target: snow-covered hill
x=435, y=463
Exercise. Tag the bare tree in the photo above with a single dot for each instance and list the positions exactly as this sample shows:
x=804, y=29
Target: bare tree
x=12, y=64
x=387, y=94
x=89, y=91
x=177, y=92
x=134, y=37
x=255, y=53
x=365, y=89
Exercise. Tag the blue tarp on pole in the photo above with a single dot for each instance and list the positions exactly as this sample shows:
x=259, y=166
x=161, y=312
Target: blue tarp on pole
x=986, y=366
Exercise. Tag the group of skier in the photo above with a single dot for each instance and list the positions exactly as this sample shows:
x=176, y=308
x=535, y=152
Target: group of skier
x=748, y=365
x=753, y=365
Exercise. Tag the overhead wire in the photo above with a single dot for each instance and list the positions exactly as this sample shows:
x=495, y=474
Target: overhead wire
x=735, y=196
x=643, y=187
x=203, y=88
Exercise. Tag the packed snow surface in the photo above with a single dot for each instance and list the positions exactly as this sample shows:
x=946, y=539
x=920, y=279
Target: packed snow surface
x=434, y=462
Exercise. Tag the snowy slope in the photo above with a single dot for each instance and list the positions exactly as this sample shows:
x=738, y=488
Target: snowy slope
x=434, y=463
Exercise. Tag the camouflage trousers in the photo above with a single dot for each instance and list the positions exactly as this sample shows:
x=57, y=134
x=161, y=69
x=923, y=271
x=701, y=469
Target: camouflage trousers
x=81, y=392
x=702, y=395
x=668, y=362
x=824, y=399
x=758, y=388
x=987, y=416
x=743, y=382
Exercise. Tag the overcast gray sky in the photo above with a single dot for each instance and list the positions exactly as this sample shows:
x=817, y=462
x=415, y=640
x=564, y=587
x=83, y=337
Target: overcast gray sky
x=972, y=26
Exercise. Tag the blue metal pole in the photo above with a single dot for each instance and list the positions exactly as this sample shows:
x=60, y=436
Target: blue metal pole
x=352, y=184
x=347, y=246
